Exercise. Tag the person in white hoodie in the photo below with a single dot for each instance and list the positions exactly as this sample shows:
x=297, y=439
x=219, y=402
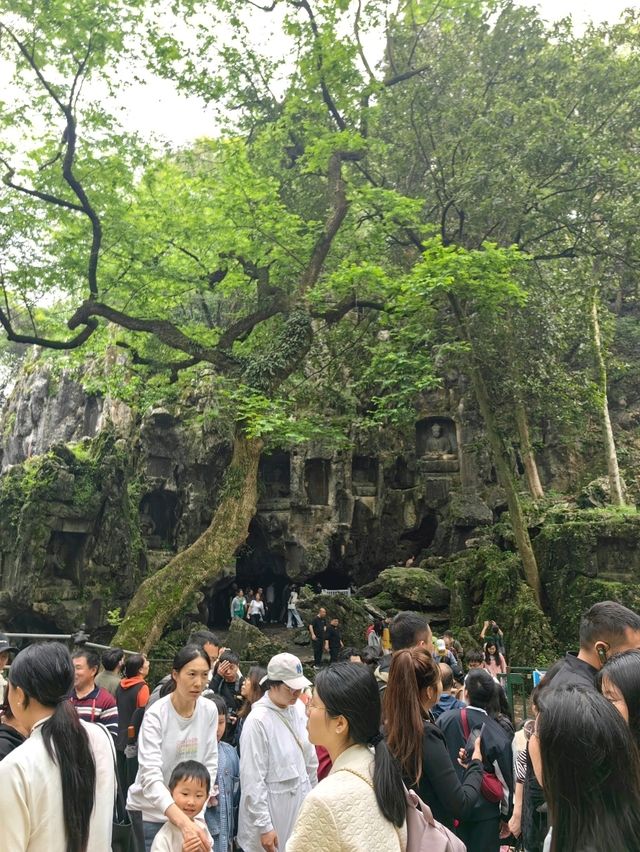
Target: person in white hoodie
x=278, y=764
x=181, y=726
x=57, y=789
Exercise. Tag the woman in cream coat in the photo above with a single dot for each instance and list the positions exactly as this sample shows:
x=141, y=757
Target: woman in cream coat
x=361, y=804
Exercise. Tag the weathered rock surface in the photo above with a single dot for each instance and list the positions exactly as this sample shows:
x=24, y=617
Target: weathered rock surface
x=407, y=588
x=250, y=643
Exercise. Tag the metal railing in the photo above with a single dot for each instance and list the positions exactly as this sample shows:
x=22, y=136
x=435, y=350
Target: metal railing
x=79, y=638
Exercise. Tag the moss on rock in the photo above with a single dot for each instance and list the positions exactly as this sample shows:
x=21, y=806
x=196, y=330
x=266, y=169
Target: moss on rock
x=249, y=643
x=486, y=583
x=407, y=588
x=352, y=613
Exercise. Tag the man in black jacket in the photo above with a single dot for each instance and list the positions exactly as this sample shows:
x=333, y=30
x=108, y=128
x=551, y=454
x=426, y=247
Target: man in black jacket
x=605, y=629
x=317, y=630
x=227, y=682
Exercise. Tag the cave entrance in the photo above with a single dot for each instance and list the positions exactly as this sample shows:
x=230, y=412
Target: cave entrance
x=158, y=515
x=257, y=567
x=65, y=556
x=316, y=481
x=364, y=476
x=274, y=476
x=331, y=579
x=423, y=535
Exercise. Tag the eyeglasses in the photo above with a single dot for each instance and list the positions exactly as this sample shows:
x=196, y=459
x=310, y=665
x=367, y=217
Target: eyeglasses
x=310, y=706
x=292, y=691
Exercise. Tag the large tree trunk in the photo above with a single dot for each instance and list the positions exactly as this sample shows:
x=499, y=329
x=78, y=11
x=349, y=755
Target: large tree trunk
x=507, y=481
x=163, y=596
x=615, y=481
x=528, y=457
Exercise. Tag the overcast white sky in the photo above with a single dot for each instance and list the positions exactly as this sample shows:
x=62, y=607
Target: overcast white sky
x=158, y=109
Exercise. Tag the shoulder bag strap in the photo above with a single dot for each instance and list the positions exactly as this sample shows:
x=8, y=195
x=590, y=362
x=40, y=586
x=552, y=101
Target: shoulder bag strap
x=93, y=710
x=285, y=722
x=465, y=722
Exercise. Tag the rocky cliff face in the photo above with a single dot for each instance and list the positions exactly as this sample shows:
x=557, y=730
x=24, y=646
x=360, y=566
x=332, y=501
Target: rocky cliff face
x=92, y=499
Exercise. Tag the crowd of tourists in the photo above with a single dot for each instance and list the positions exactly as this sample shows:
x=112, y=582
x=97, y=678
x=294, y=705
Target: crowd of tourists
x=394, y=752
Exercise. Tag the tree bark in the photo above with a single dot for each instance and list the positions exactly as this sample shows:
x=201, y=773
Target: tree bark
x=166, y=594
x=615, y=482
x=507, y=481
x=528, y=456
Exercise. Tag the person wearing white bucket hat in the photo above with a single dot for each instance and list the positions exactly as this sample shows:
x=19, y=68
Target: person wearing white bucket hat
x=278, y=764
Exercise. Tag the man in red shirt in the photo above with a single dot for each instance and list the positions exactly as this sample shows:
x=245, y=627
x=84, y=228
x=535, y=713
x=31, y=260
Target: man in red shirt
x=92, y=703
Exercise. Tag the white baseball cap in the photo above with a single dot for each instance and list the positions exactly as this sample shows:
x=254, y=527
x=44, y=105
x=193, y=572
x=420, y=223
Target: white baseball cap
x=288, y=669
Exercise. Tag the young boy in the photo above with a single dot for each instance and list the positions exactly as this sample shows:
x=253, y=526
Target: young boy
x=190, y=785
x=220, y=818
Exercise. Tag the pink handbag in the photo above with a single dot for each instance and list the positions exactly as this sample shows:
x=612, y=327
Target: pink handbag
x=424, y=833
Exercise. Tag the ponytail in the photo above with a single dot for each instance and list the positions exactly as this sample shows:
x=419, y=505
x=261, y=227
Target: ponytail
x=45, y=674
x=350, y=690
x=411, y=671
x=67, y=744
x=388, y=784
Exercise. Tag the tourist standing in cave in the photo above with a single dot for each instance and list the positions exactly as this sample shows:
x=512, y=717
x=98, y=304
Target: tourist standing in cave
x=278, y=764
x=238, y=605
x=333, y=640
x=6, y=648
x=293, y=616
x=317, y=630
x=256, y=613
x=92, y=703
x=607, y=628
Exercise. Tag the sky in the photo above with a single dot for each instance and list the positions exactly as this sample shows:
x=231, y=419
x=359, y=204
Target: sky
x=156, y=108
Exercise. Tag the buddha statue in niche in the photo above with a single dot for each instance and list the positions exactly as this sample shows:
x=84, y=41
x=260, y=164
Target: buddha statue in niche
x=439, y=444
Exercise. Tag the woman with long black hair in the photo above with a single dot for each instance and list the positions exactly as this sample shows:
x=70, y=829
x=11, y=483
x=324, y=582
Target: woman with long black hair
x=585, y=758
x=361, y=804
x=179, y=726
x=619, y=681
x=57, y=789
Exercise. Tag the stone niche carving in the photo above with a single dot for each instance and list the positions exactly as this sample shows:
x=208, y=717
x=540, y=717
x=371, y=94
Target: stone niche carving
x=436, y=444
x=158, y=517
x=401, y=476
x=364, y=476
x=316, y=481
x=274, y=475
x=65, y=555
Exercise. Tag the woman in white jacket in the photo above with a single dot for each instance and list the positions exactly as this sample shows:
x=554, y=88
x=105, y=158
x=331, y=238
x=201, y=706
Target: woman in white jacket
x=56, y=789
x=361, y=804
x=180, y=726
x=278, y=764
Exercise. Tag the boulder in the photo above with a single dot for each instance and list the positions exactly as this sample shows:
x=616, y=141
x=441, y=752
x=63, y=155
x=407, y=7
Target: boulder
x=466, y=509
x=251, y=644
x=351, y=611
x=407, y=588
